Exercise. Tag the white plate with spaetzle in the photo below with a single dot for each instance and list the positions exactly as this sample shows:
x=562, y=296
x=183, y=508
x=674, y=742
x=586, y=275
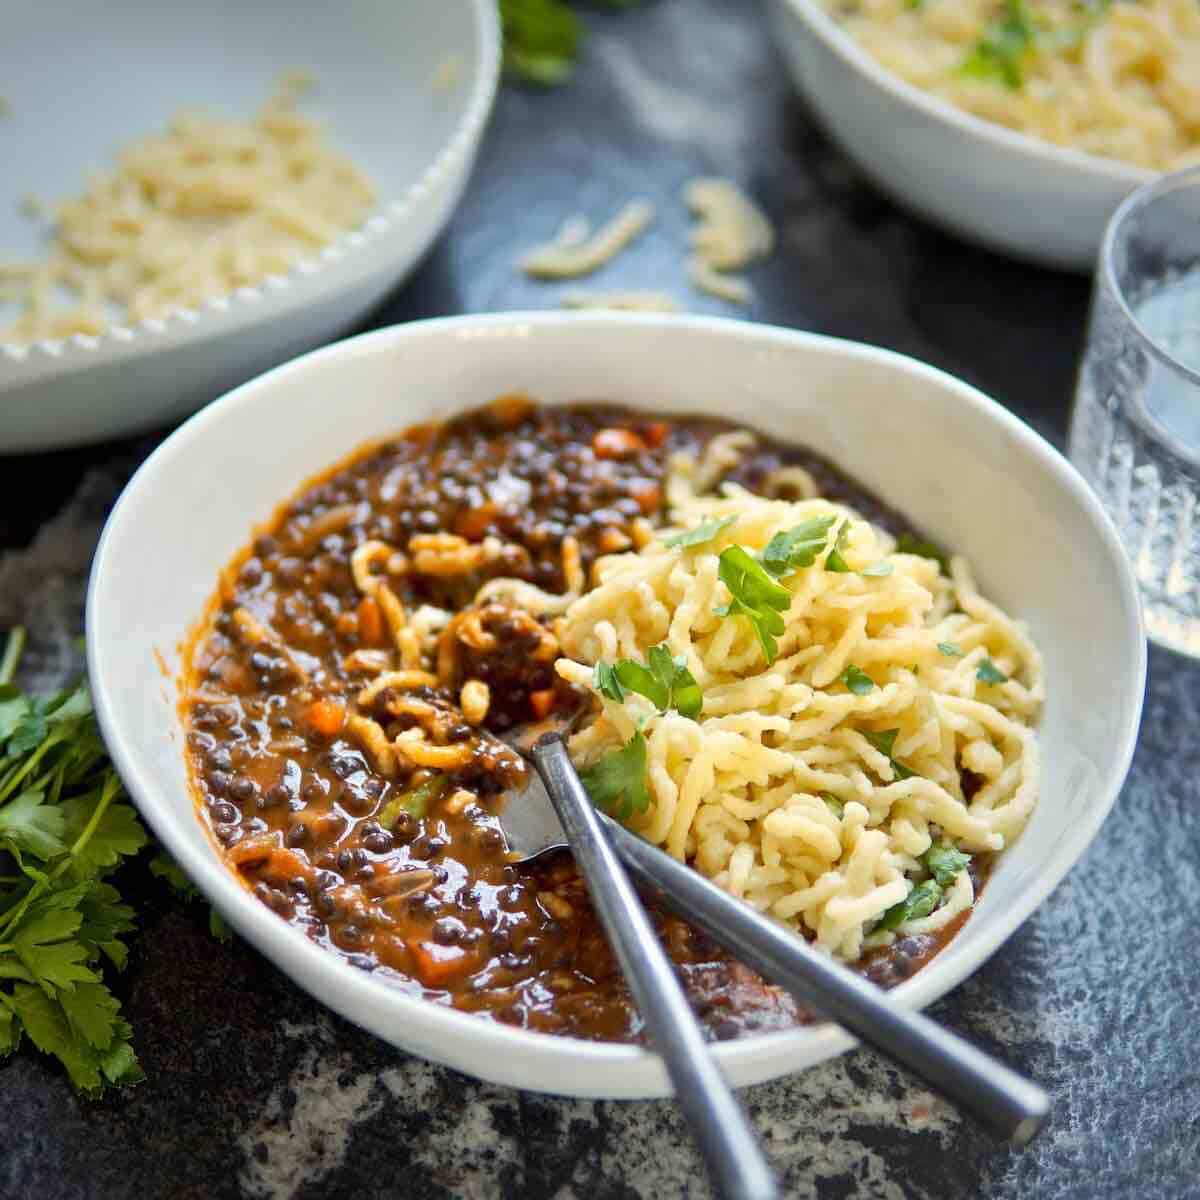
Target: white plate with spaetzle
x=246, y=182
x=1030, y=660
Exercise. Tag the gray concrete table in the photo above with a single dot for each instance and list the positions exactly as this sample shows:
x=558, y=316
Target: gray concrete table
x=253, y=1089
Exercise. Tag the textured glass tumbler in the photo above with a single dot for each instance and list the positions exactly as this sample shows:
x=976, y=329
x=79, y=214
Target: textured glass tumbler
x=1135, y=431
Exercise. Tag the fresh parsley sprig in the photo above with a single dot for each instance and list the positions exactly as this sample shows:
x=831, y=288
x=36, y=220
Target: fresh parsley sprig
x=919, y=902
x=834, y=560
x=755, y=595
x=705, y=532
x=617, y=782
x=664, y=680
x=542, y=39
x=64, y=827
x=883, y=740
x=792, y=549
x=943, y=861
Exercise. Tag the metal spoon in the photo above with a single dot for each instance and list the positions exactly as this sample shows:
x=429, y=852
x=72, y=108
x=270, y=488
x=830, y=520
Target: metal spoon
x=1003, y=1102
x=720, y=1126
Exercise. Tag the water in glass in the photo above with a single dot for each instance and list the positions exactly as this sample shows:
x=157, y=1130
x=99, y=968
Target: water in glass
x=1135, y=433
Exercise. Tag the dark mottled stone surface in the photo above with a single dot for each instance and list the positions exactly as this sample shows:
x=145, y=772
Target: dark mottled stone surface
x=254, y=1090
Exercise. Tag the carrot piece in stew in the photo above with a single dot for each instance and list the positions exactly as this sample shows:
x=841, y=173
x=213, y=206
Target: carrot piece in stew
x=438, y=965
x=370, y=622
x=655, y=434
x=616, y=443
x=541, y=703
x=473, y=523
x=326, y=717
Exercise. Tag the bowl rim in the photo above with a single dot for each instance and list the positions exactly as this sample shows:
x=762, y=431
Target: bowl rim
x=350, y=245
x=291, y=951
x=852, y=54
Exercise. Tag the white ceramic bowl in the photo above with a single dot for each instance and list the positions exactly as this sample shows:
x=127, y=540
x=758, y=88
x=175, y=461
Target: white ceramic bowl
x=958, y=464
x=381, y=71
x=1003, y=189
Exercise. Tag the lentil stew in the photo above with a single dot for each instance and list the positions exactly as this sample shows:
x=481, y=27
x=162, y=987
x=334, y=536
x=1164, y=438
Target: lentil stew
x=346, y=697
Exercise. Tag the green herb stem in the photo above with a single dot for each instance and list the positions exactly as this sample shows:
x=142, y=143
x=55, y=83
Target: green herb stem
x=12, y=654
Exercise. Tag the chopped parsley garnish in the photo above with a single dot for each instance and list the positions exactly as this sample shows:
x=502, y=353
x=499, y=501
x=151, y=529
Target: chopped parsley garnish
x=617, y=782
x=950, y=649
x=665, y=681
x=920, y=902
x=908, y=543
x=944, y=861
x=704, y=532
x=834, y=560
x=988, y=672
x=883, y=740
x=859, y=682
x=878, y=570
x=1001, y=52
x=607, y=682
x=755, y=595
x=792, y=549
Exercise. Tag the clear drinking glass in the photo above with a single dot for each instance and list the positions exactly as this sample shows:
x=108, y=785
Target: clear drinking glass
x=1135, y=431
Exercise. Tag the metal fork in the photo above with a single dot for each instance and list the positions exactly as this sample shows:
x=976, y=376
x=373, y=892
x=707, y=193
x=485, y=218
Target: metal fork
x=1003, y=1102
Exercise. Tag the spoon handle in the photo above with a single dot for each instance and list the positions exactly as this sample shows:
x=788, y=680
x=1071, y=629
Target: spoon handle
x=722, y=1131
x=1005, y=1103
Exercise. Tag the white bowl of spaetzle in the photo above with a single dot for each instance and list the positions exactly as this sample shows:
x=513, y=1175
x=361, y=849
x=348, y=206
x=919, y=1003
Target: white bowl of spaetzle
x=1021, y=657
x=250, y=182
x=1020, y=124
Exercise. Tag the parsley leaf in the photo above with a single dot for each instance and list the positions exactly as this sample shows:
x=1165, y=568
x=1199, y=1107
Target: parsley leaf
x=859, y=682
x=883, y=740
x=755, y=596
x=792, y=549
x=834, y=805
x=944, y=861
x=988, y=672
x=115, y=834
x=920, y=902
x=834, y=560
x=1000, y=52
x=950, y=649
x=607, y=683
x=166, y=868
x=908, y=543
x=29, y=824
x=13, y=709
x=617, y=782
x=665, y=681
x=62, y=827
x=541, y=40
x=706, y=531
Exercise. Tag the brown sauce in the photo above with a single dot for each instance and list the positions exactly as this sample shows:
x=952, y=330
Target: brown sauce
x=423, y=894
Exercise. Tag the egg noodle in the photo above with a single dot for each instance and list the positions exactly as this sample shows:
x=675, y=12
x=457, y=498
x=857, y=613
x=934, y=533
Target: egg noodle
x=896, y=715
x=187, y=216
x=1120, y=80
